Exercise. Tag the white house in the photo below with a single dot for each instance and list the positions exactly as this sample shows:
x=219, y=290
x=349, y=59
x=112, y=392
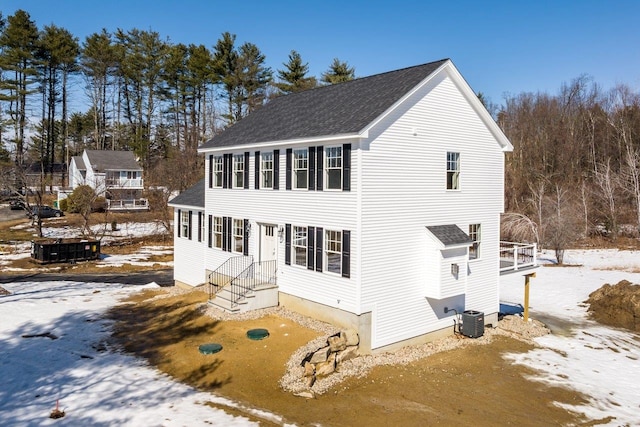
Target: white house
x=116, y=175
x=372, y=204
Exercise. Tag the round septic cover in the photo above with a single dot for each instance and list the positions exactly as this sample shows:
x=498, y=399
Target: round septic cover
x=210, y=348
x=257, y=334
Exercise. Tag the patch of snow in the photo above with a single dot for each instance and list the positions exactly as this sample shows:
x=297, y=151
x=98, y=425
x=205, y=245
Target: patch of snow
x=74, y=365
x=601, y=362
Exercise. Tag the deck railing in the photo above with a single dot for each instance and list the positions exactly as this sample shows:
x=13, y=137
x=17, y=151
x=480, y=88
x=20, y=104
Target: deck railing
x=517, y=256
x=127, y=204
x=124, y=183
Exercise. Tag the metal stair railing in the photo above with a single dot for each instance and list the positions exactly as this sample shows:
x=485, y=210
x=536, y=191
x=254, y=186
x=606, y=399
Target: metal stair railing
x=226, y=272
x=258, y=273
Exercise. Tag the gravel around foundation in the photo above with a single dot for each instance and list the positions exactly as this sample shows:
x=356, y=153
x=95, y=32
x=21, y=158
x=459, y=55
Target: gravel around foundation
x=293, y=380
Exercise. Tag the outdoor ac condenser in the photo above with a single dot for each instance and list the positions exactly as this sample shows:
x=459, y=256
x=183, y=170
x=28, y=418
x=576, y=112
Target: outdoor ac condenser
x=472, y=323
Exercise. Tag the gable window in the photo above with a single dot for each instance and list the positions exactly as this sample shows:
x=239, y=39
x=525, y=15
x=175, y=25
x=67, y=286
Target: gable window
x=185, y=219
x=333, y=166
x=218, y=167
x=300, y=168
x=474, y=234
x=238, y=171
x=217, y=232
x=238, y=235
x=453, y=170
x=333, y=251
x=299, y=246
x=266, y=170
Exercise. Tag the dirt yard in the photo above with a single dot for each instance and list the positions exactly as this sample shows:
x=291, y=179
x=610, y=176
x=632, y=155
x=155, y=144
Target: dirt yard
x=472, y=384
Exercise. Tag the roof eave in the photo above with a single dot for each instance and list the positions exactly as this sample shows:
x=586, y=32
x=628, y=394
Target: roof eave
x=288, y=142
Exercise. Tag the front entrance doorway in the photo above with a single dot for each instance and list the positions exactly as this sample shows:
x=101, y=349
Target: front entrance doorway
x=268, y=242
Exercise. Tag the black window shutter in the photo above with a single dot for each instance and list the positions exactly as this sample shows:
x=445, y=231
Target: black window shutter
x=211, y=171
x=311, y=251
x=346, y=167
x=346, y=253
x=225, y=231
x=200, y=236
x=225, y=167
x=256, y=168
x=289, y=167
x=312, y=168
x=246, y=170
x=319, y=249
x=190, y=223
x=229, y=234
x=210, y=235
x=179, y=221
x=319, y=167
x=287, y=245
x=276, y=169
x=245, y=236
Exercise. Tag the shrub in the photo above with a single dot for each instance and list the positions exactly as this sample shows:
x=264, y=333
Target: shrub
x=64, y=205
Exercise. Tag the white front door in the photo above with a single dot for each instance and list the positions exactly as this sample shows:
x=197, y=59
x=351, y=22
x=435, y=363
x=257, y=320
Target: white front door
x=268, y=242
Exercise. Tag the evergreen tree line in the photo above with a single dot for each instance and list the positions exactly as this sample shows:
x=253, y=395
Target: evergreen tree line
x=145, y=94
x=574, y=170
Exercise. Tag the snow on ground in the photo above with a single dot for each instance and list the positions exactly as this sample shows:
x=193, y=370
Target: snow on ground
x=601, y=362
x=138, y=258
x=55, y=348
x=98, y=386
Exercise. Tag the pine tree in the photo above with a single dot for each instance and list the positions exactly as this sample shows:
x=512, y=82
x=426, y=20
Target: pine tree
x=294, y=77
x=17, y=59
x=338, y=72
x=98, y=63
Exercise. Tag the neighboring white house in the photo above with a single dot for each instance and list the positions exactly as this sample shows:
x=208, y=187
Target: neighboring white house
x=373, y=204
x=115, y=175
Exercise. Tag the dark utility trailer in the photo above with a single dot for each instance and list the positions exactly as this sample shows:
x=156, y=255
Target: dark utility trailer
x=64, y=250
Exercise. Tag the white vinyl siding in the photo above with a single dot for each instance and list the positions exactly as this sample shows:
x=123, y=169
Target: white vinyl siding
x=333, y=168
x=300, y=169
x=395, y=265
x=189, y=260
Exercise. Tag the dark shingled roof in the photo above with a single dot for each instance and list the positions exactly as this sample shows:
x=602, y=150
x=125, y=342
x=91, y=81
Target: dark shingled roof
x=329, y=110
x=450, y=234
x=104, y=160
x=193, y=196
x=80, y=163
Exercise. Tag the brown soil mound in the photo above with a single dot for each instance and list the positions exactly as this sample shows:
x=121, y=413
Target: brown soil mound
x=471, y=385
x=617, y=305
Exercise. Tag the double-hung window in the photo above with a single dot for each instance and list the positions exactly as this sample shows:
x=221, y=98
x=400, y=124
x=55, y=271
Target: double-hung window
x=299, y=246
x=301, y=168
x=217, y=232
x=333, y=251
x=238, y=235
x=218, y=167
x=453, y=170
x=333, y=168
x=184, y=224
x=474, y=234
x=238, y=171
x=266, y=170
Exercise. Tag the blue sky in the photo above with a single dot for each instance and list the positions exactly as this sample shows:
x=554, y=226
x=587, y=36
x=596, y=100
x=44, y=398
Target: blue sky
x=500, y=47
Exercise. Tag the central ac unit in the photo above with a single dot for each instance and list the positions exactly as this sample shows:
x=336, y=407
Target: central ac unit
x=472, y=323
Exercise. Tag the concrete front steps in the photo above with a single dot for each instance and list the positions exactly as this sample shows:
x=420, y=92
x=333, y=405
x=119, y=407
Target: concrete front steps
x=263, y=296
